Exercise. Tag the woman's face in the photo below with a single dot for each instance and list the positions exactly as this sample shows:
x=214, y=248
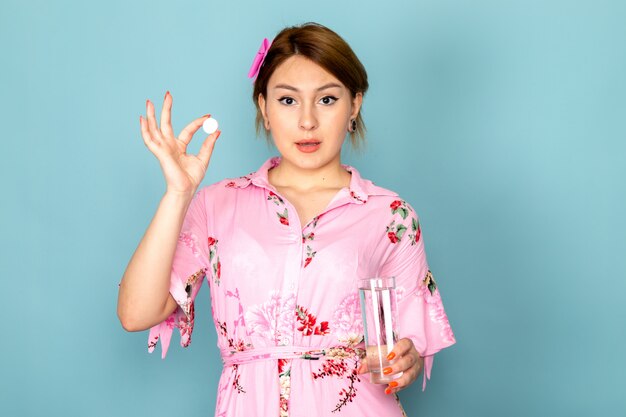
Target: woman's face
x=308, y=111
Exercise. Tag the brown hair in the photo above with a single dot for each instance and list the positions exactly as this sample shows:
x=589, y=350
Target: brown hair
x=322, y=46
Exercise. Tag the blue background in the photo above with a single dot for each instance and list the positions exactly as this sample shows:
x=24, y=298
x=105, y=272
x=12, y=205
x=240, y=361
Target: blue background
x=501, y=122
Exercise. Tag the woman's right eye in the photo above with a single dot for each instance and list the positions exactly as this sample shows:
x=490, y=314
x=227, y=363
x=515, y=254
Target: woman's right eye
x=286, y=100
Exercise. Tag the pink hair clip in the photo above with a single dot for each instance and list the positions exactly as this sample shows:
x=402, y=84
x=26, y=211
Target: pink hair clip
x=258, y=59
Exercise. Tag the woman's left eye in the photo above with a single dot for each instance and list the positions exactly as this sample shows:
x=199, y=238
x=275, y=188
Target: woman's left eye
x=329, y=99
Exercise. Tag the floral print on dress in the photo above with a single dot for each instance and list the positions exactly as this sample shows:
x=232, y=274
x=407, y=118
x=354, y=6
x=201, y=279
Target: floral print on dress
x=427, y=289
x=416, y=231
x=397, y=227
x=240, y=321
x=347, y=322
x=274, y=319
x=284, y=378
x=275, y=198
x=310, y=254
x=399, y=206
x=430, y=283
x=395, y=231
x=283, y=216
x=236, y=346
x=183, y=318
x=309, y=234
x=191, y=241
x=357, y=198
x=185, y=321
x=214, y=259
x=307, y=323
x=314, y=221
x=342, y=362
x=239, y=182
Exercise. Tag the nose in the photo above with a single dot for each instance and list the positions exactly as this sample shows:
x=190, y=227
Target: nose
x=308, y=120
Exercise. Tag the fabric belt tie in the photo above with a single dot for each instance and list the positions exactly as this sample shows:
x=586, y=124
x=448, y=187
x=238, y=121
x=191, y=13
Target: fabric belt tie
x=231, y=358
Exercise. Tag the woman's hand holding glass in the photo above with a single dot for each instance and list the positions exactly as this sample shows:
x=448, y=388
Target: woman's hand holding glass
x=183, y=172
x=404, y=358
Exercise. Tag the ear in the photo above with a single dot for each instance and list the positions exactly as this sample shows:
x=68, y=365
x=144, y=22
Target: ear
x=261, y=101
x=356, y=105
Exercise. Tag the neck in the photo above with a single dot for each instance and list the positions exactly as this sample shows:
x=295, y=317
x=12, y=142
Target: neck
x=287, y=175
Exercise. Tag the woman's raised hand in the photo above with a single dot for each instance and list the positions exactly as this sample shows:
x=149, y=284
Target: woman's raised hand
x=183, y=172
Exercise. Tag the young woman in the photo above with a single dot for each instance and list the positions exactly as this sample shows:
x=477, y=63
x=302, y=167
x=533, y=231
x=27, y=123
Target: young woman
x=282, y=248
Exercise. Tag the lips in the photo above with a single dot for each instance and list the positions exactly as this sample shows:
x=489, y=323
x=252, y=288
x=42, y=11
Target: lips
x=308, y=145
x=309, y=142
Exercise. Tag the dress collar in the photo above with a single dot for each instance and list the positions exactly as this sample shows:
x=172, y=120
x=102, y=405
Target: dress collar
x=360, y=189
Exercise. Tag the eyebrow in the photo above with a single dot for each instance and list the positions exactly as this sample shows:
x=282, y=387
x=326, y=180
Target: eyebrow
x=324, y=87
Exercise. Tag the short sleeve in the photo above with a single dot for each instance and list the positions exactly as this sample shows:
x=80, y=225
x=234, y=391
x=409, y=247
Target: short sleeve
x=189, y=267
x=421, y=314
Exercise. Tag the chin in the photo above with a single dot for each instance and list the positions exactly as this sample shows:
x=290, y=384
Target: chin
x=306, y=161
x=317, y=162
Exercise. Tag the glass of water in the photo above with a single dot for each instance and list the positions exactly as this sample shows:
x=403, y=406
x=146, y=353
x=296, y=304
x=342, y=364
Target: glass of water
x=378, y=308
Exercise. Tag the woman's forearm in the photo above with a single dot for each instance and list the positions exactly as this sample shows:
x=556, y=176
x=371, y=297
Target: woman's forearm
x=144, y=298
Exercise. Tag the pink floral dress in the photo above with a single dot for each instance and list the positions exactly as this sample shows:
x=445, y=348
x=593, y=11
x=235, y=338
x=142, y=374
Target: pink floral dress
x=284, y=295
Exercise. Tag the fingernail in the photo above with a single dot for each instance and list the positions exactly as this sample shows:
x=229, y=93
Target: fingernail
x=387, y=371
x=147, y=101
x=167, y=93
x=391, y=356
x=393, y=384
x=219, y=132
x=207, y=115
x=388, y=391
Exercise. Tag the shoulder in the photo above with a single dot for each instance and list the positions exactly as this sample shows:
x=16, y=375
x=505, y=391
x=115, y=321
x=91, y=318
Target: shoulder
x=394, y=212
x=393, y=209
x=400, y=219
x=210, y=190
x=384, y=199
x=225, y=185
x=380, y=201
x=225, y=192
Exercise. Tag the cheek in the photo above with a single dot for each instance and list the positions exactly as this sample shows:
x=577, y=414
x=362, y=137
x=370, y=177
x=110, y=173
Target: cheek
x=280, y=125
x=342, y=115
x=282, y=128
x=339, y=123
x=279, y=116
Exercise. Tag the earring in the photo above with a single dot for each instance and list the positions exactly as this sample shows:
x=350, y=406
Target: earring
x=352, y=126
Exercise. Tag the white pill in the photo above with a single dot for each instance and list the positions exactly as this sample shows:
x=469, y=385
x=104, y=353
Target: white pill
x=210, y=125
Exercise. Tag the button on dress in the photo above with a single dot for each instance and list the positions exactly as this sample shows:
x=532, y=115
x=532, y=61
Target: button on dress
x=285, y=298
